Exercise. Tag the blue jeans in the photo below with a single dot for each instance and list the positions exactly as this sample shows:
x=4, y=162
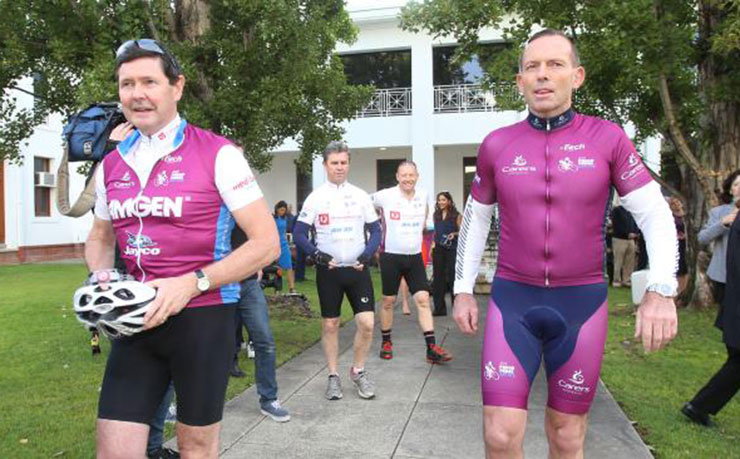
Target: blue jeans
x=252, y=312
x=156, y=426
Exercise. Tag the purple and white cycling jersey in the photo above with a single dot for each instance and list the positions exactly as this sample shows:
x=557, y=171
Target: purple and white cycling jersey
x=169, y=197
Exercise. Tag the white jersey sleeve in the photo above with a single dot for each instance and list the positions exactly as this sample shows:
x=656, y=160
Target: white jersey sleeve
x=307, y=214
x=101, y=199
x=471, y=243
x=655, y=220
x=234, y=178
x=368, y=209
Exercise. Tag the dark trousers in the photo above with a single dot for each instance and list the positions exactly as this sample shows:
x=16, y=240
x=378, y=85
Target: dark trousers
x=443, y=262
x=722, y=387
x=300, y=264
x=718, y=291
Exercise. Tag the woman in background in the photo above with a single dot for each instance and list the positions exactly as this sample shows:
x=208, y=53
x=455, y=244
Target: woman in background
x=285, y=262
x=447, y=221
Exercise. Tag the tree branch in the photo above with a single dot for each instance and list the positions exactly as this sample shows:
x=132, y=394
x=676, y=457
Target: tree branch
x=151, y=27
x=678, y=139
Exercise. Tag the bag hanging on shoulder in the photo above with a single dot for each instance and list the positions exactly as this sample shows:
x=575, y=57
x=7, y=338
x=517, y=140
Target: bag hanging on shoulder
x=87, y=131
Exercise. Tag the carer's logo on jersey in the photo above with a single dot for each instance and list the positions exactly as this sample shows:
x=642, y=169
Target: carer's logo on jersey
x=124, y=182
x=323, y=219
x=395, y=215
x=518, y=166
x=635, y=167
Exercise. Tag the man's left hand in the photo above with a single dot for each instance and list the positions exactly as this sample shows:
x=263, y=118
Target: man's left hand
x=657, y=321
x=173, y=294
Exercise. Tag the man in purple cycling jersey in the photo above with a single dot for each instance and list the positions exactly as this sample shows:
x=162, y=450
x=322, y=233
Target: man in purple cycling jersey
x=170, y=195
x=552, y=176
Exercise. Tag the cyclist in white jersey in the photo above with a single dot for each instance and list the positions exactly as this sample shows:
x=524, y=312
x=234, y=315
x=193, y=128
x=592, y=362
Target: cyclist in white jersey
x=405, y=212
x=341, y=213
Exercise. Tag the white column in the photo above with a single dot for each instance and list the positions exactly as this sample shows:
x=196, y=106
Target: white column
x=422, y=90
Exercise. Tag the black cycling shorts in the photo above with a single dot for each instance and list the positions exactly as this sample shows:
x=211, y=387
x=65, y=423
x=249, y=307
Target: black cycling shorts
x=194, y=349
x=333, y=284
x=411, y=267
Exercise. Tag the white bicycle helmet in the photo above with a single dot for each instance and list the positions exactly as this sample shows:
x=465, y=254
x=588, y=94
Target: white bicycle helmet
x=116, y=311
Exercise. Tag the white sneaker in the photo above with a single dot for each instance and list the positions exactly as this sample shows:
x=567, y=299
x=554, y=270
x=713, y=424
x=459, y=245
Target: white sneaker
x=250, y=350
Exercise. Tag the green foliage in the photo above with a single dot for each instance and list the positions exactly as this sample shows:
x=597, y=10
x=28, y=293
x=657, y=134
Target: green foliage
x=624, y=45
x=259, y=71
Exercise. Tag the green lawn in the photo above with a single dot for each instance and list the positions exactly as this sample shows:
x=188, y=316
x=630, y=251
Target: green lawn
x=652, y=388
x=49, y=381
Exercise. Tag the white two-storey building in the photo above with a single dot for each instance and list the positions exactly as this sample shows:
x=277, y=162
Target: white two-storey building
x=425, y=108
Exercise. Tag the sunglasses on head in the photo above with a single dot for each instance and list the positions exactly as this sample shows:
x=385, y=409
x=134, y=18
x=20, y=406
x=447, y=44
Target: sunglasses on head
x=147, y=44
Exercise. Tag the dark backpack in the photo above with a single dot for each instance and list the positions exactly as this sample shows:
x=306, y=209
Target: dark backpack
x=87, y=132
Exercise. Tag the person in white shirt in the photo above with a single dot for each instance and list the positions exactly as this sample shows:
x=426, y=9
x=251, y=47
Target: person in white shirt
x=405, y=211
x=341, y=214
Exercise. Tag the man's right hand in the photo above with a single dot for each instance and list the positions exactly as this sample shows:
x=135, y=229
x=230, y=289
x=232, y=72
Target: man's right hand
x=322, y=258
x=465, y=313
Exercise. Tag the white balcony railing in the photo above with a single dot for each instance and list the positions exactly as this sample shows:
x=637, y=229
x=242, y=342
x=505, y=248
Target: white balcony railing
x=471, y=97
x=388, y=102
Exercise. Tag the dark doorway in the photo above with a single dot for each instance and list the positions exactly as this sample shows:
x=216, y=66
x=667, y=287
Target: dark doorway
x=386, y=175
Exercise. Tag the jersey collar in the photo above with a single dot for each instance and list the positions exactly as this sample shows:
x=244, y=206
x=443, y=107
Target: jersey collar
x=548, y=124
x=169, y=138
x=336, y=187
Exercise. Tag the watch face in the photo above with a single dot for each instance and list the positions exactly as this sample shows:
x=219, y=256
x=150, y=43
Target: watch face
x=203, y=284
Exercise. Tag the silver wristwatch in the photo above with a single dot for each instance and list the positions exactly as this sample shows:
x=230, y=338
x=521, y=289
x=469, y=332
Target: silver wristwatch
x=203, y=282
x=664, y=290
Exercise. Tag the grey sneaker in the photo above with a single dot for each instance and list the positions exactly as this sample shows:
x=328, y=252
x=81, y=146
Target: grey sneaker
x=365, y=387
x=275, y=410
x=334, y=388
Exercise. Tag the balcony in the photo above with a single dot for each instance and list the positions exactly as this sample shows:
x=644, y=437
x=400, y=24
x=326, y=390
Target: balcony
x=388, y=102
x=472, y=97
x=461, y=98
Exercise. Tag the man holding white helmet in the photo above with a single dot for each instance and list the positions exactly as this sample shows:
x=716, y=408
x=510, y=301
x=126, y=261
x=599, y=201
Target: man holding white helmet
x=170, y=195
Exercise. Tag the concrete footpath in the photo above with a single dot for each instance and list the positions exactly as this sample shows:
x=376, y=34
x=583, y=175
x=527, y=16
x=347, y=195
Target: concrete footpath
x=420, y=410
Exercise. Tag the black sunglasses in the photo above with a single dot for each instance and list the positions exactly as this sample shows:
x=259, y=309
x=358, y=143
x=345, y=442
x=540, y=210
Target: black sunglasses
x=148, y=44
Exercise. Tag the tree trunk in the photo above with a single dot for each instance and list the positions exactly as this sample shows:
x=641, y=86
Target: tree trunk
x=721, y=136
x=193, y=20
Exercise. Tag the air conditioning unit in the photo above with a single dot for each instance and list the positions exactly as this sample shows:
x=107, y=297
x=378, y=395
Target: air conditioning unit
x=45, y=179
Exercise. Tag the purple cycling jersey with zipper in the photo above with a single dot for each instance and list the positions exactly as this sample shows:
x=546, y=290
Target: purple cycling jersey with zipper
x=552, y=180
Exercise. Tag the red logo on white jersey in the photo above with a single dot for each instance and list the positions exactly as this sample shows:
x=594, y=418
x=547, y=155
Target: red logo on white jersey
x=162, y=136
x=395, y=215
x=323, y=219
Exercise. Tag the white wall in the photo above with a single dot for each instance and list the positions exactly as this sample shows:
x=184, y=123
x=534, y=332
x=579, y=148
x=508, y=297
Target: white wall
x=279, y=183
x=23, y=228
x=449, y=173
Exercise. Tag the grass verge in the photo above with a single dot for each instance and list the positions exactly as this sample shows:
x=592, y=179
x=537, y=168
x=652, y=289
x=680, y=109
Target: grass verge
x=652, y=388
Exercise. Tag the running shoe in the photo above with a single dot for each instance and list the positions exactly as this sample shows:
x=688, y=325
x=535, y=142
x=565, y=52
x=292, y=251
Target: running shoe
x=386, y=350
x=334, y=388
x=163, y=453
x=250, y=350
x=365, y=387
x=275, y=410
x=436, y=354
